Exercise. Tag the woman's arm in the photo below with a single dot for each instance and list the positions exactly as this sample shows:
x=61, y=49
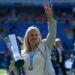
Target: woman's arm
x=51, y=26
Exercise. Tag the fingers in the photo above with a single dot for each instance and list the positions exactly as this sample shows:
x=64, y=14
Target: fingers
x=48, y=11
x=48, y=6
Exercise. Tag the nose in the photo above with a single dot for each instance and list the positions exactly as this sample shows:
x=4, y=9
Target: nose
x=34, y=37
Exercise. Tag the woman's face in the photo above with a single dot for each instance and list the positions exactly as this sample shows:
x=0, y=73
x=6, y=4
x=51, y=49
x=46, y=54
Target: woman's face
x=33, y=38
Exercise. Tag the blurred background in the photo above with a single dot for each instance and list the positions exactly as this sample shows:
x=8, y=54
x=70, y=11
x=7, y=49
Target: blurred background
x=16, y=17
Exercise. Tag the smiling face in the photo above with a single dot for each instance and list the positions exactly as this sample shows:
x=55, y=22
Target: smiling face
x=33, y=38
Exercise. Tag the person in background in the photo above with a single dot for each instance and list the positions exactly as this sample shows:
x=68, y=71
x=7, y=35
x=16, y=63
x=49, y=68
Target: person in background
x=4, y=58
x=36, y=51
x=72, y=55
x=12, y=67
x=60, y=59
x=54, y=60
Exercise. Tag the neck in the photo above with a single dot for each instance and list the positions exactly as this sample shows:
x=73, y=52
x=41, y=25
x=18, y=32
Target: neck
x=33, y=47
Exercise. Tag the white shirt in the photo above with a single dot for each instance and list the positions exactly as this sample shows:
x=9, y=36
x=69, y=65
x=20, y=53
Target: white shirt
x=38, y=64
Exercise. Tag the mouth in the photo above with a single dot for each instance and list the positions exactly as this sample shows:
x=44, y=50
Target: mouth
x=34, y=39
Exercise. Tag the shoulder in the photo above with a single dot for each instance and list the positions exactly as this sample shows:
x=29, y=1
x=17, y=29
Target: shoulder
x=41, y=44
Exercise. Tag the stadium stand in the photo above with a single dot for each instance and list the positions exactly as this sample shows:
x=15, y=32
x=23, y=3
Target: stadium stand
x=15, y=18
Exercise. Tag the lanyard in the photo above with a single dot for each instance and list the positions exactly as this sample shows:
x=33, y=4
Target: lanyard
x=31, y=55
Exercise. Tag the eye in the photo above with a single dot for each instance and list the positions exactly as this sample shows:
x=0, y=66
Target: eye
x=31, y=35
x=37, y=34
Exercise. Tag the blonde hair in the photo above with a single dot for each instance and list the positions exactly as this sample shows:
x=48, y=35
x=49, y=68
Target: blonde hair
x=26, y=43
x=57, y=40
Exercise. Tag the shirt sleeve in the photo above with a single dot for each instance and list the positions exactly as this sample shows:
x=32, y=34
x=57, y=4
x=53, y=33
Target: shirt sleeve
x=51, y=33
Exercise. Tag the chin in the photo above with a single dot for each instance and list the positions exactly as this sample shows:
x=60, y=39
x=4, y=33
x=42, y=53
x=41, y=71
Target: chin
x=34, y=43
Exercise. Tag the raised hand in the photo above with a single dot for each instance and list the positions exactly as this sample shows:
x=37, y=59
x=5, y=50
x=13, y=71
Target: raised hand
x=48, y=10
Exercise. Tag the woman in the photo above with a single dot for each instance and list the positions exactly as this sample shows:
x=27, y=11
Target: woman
x=36, y=52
